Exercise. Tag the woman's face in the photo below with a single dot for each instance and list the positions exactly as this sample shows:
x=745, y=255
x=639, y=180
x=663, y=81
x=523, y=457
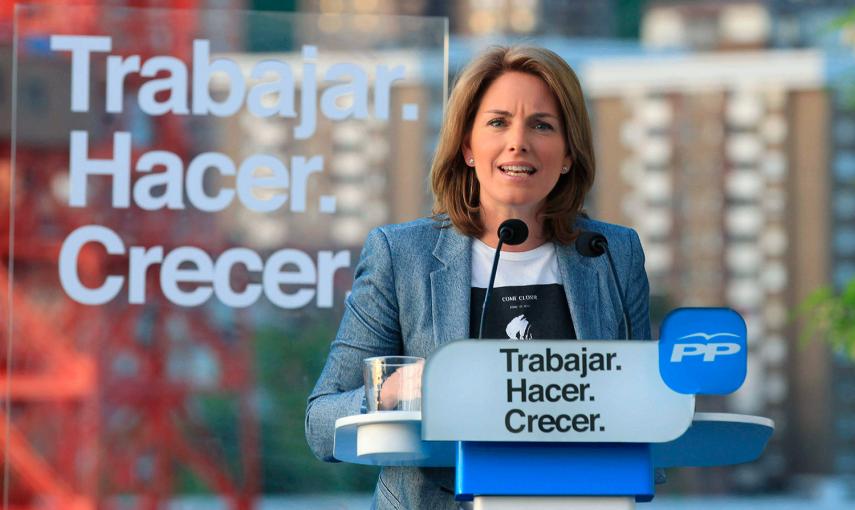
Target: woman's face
x=517, y=143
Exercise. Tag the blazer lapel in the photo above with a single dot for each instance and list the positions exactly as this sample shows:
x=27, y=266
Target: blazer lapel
x=451, y=286
x=583, y=282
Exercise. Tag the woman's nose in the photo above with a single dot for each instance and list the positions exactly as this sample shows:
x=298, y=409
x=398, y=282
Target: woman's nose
x=517, y=139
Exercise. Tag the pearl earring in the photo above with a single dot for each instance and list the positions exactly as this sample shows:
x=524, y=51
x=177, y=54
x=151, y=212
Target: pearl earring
x=471, y=161
x=565, y=169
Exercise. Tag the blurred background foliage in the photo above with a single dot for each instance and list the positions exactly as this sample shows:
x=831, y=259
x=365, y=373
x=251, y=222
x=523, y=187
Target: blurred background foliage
x=830, y=315
x=289, y=360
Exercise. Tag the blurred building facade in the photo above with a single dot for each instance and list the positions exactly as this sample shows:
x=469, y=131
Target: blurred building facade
x=736, y=165
x=842, y=147
x=714, y=159
x=475, y=18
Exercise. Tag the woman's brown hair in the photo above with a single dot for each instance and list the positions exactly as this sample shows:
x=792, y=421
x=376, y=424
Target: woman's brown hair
x=454, y=184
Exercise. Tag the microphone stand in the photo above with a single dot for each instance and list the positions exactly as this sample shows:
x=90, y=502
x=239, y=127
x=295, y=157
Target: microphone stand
x=489, y=288
x=512, y=232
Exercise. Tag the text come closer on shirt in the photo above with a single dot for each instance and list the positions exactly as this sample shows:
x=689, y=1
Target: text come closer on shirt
x=528, y=300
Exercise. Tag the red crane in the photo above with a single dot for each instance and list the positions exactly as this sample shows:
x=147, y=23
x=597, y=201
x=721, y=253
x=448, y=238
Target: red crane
x=100, y=412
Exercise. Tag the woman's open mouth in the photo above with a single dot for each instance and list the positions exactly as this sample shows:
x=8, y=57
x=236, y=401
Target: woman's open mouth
x=517, y=170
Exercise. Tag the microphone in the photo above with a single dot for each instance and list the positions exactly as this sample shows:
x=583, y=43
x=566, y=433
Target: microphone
x=594, y=244
x=511, y=232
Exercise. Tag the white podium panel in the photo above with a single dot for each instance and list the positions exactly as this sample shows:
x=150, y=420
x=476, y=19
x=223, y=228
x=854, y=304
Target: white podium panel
x=551, y=391
x=389, y=438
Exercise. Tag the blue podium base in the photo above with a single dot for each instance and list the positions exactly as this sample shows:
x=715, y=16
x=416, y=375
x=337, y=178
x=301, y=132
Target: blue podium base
x=553, y=469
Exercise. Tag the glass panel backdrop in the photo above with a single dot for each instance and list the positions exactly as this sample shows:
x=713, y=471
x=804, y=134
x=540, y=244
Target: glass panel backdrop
x=191, y=190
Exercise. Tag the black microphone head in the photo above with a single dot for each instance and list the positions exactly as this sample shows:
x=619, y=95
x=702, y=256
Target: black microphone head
x=513, y=231
x=591, y=244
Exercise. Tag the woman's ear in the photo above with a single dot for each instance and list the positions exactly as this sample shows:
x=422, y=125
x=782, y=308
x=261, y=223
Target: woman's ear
x=466, y=149
x=567, y=164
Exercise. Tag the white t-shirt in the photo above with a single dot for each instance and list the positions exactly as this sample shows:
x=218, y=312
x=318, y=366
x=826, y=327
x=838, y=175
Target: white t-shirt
x=528, y=299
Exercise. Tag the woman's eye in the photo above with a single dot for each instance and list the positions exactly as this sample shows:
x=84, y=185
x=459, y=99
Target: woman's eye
x=543, y=126
x=496, y=122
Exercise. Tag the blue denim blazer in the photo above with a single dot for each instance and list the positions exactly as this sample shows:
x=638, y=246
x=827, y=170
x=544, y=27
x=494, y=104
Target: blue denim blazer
x=411, y=294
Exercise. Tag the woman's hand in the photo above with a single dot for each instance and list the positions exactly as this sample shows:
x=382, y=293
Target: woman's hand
x=404, y=385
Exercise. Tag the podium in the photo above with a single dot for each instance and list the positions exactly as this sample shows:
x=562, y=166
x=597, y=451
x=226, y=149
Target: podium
x=561, y=424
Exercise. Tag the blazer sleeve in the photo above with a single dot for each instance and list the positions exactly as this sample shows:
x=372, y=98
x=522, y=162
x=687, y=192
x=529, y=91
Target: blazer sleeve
x=369, y=327
x=638, y=291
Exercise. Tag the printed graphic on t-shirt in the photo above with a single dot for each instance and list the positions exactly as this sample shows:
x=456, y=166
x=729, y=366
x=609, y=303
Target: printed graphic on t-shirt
x=527, y=312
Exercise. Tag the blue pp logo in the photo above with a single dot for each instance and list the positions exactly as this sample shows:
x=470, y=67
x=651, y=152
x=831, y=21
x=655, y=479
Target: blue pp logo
x=703, y=351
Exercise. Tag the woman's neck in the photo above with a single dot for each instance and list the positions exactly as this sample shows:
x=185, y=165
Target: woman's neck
x=490, y=236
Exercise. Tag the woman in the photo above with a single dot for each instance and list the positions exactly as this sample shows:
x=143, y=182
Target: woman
x=516, y=143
